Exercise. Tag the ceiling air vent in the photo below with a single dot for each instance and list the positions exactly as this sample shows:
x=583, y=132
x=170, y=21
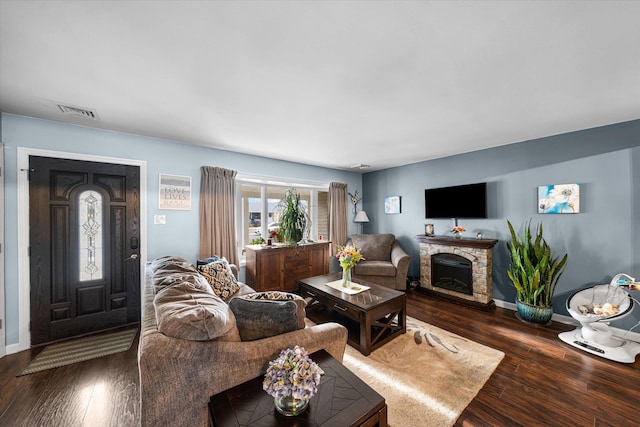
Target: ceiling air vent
x=360, y=166
x=78, y=112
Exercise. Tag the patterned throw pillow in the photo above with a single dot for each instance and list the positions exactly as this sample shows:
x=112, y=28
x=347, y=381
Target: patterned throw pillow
x=220, y=277
x=273, y=295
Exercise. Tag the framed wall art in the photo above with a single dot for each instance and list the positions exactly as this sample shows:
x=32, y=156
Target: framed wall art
x=174, y=192
x=392, y=205
x=559, y=199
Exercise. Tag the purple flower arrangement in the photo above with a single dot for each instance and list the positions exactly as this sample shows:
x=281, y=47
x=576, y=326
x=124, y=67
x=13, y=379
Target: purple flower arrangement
x=294, y=374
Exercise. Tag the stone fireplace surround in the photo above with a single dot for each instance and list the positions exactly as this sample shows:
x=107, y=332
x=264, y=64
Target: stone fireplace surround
x=478, y=251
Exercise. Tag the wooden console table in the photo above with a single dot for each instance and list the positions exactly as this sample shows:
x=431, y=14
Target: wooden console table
x=278, y=268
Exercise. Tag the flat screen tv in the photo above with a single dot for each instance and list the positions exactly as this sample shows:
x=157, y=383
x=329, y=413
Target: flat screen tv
x=460, y=201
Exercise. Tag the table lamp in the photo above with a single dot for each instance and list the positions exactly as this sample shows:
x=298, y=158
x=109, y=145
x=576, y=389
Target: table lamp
x=360, y=218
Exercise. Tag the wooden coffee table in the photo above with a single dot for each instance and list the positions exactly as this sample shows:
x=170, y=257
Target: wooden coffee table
x=343, y=399
x=372, y=317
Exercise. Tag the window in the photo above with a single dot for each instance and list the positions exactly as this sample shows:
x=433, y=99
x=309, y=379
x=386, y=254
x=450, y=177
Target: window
x=257, y=212
x=90, y=233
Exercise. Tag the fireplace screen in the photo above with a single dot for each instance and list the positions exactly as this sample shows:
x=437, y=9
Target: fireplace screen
x=452, y=272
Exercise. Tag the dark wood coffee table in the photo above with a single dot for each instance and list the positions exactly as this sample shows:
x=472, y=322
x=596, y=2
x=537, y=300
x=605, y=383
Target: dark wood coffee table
x=343, y=399
x=372, y=317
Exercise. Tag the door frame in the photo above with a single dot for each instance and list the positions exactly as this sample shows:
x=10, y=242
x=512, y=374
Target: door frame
x=24, y=279
x=3, y=327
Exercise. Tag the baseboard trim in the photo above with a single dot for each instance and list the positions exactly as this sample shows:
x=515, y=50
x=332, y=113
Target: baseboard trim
x=13, y=348
x=633, y=336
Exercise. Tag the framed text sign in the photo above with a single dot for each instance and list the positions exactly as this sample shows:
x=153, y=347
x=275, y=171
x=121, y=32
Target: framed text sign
x=174, y=192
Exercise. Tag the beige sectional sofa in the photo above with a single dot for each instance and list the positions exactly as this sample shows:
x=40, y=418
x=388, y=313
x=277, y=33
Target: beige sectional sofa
x=178, y=374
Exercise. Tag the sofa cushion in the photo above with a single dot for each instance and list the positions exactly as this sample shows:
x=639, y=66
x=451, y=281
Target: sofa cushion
x=168, y=271
x=374, y=247
x=171, y=264
x=265, y=314
x=375, y=268
x=188, y=312
x=219, y=275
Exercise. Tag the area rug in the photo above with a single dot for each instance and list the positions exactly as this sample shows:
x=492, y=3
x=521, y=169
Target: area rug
x=427, y=376
x=80, y=349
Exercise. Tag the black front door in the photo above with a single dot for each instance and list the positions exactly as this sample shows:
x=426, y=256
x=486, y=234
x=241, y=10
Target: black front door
x=84, y=247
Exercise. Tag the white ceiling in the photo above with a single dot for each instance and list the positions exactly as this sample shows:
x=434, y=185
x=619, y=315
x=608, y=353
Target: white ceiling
x=327, y=83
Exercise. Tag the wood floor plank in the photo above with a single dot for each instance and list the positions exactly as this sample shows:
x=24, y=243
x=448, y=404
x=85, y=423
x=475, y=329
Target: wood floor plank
x=64, y=399
x=115, y=399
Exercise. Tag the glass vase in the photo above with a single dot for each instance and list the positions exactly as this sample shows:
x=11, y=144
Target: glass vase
x=289, y=406
x=346, y=277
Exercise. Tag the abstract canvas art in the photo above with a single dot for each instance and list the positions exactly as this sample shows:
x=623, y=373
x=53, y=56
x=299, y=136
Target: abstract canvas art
x=559, y=199
x=392, y=205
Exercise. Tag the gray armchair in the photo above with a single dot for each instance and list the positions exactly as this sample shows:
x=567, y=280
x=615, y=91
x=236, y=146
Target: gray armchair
x=386, y=263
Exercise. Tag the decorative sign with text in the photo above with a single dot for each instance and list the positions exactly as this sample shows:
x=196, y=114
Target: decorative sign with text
x=175, y=192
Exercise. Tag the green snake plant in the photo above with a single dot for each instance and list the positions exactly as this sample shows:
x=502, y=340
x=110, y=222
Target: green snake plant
x=534, y=270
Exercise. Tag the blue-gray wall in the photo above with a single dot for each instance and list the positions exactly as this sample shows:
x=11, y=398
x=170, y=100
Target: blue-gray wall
x=601, y=241
x=180, y=236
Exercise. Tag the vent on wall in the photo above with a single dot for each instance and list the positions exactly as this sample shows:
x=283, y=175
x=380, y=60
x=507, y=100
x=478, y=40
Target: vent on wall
x=78, y=112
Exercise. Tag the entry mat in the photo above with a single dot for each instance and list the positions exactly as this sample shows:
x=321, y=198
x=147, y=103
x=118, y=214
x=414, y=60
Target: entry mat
x=80, y=349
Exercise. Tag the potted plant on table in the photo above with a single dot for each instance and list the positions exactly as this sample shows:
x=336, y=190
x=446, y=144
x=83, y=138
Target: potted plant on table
x=293, y=217
x=457, y=231
x=292, y=379
x=534, y=272
x=348, y=256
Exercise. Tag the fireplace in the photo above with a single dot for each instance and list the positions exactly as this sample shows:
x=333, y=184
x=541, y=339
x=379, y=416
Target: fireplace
x=453, y=272
x=457, y=269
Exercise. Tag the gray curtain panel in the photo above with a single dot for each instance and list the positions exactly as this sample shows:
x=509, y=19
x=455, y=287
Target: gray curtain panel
x=218, y=213
x=338, y=208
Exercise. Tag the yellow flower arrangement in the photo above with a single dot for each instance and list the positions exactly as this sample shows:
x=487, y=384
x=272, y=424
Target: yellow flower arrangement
x=349, y=256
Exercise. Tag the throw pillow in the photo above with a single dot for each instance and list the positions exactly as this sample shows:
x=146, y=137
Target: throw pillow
x=220, y=277
x=207, y=260
x=266, y=314
x=301, y=303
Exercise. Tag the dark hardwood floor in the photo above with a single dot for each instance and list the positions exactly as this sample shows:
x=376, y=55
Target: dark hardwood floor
x=95, y=393
x=540, y=382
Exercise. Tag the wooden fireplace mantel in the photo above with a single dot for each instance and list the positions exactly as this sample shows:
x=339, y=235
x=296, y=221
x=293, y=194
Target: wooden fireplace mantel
x=452, y=241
